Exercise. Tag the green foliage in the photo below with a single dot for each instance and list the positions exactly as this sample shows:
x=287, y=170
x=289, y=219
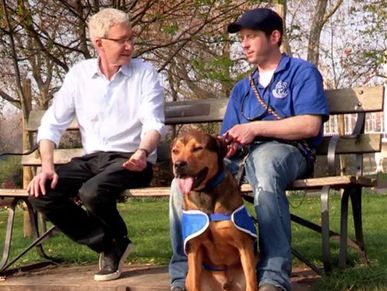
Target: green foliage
x=217, y=68
x=171, y=28
x=214, y=70
x=11, y=171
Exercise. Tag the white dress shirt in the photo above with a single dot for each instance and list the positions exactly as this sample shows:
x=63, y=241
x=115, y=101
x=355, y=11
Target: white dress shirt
x=113, y=115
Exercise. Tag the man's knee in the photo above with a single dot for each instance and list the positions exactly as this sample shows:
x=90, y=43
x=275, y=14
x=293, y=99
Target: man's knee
x=36, y=202
x=89, y=194
x=176, y=197
x=43, y=202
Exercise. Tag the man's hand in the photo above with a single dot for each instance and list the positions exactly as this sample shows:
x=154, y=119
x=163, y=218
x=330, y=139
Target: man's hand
x=37, y=186
x=137, y=162
x=242, y=134
x=232, y=146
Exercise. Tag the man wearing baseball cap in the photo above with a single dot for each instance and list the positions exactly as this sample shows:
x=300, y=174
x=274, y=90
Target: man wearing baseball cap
x=277, y=111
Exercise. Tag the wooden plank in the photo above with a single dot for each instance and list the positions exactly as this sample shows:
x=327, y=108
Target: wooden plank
x=13, y=193
x=367, y=99
x=35, y=117
x=336, y=182
x=365, y=143
x=195, y=111
x=178, y=112
x=318, y=183
x=353, y=100
x=61, y=156
x=148, y=192
x=301, y=184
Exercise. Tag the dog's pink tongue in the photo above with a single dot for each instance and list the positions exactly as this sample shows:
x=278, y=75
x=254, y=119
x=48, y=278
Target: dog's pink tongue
x=185, y=184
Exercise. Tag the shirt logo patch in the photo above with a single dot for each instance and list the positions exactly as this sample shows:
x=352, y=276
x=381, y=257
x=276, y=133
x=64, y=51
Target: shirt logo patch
x=280, y=90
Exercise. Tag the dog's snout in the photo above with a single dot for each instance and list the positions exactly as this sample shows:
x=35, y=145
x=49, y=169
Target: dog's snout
x=180, y=165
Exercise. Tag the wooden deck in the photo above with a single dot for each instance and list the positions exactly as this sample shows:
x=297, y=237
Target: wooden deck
x=134, y=278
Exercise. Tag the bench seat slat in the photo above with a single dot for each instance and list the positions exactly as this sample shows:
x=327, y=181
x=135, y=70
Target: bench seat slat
x=336, y=182
x=13, y=193
x=301, y=184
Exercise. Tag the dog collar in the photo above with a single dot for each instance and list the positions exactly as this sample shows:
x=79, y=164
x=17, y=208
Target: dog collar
x=215, y=181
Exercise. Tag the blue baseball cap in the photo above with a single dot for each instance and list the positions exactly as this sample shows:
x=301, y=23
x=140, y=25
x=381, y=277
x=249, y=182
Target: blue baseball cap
x=263, y=19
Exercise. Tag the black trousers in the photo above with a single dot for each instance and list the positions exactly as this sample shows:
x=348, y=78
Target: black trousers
x=98, y=180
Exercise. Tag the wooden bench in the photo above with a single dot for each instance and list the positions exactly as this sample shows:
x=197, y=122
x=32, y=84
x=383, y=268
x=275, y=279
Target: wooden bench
x=358, y=101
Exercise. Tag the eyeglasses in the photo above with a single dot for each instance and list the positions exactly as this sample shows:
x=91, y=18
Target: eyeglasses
x=122, y=41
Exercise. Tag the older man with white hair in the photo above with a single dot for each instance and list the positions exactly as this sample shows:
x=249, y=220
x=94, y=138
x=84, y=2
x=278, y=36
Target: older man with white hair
x=119, y=104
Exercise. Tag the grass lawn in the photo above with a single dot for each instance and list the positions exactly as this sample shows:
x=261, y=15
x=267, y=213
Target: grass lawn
x=147, y=221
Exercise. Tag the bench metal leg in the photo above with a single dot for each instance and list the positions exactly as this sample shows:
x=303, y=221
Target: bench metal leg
x=8, y=234
x=307, y=262
x=358, y=224
x=344, y=228
x=36, y=243
x=325, y=229
x=4, y=264
x=358, y=244
x=35, y=228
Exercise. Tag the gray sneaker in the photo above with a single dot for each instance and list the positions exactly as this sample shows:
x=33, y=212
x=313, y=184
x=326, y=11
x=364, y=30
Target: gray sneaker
x=111, y=260
x=177, y=288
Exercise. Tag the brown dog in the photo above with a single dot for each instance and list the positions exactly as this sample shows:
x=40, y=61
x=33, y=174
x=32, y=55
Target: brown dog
x=220, y=252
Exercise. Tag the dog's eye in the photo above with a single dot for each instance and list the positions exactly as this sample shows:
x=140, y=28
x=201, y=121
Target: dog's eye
x=195, y=149
x=175, y=151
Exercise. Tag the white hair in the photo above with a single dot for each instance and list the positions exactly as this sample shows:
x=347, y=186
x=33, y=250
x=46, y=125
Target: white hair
x=100, y=23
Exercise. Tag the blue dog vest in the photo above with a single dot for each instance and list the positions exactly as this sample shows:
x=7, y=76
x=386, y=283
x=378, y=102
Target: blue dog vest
x=195, y=222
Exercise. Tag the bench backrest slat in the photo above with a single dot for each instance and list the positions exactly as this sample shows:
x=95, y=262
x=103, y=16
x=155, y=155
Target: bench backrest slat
x=354, y=100
x=340, y=101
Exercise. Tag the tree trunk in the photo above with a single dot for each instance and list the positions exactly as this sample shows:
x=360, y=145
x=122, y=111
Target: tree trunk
x=280, y=7
x=27, y=143
x=315, y=32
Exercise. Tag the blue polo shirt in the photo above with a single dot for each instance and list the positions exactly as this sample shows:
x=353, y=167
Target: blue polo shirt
x=295, y=89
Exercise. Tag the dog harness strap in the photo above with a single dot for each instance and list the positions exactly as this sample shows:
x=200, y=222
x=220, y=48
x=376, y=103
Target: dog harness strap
x=219, y=217
x=195, y=222
x=243, y=221
x=213, y=268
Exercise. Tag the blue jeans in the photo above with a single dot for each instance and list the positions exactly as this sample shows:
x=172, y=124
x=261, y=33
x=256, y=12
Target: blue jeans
x=270, y=167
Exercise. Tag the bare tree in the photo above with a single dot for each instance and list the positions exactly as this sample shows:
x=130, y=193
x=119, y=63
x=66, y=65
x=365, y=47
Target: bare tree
x=185, y=39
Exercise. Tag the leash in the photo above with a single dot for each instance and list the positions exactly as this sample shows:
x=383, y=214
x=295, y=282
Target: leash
x=310, y=155
x=240, y=151
x=241, y=169
x=305, y=147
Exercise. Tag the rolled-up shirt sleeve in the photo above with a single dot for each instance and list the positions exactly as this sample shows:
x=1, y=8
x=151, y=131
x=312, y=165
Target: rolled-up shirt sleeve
x=152, y=114
x=60, y=114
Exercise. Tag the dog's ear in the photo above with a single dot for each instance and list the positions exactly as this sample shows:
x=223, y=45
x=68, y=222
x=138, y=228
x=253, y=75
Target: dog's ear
x=222, y=147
